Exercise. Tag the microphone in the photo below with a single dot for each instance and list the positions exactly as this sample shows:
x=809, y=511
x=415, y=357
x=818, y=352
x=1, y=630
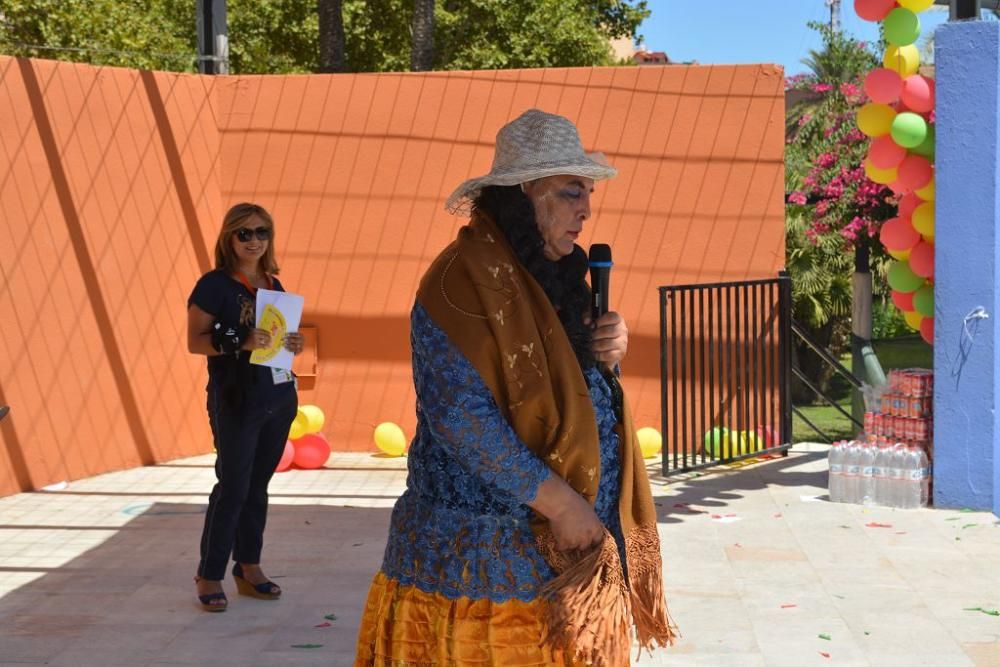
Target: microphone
x=600, y=278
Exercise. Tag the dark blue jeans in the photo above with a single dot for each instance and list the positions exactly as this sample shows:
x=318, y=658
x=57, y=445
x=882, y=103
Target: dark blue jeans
x=249, y=444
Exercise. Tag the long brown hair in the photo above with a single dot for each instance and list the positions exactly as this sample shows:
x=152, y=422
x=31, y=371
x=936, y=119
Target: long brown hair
x=225, y=256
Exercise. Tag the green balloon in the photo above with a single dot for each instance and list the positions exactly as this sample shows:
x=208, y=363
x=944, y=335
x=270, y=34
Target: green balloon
x=714, y=439
x=902, y=279
x=926, y=147
x=923, y=301
x=902, y=27
x=909, y=129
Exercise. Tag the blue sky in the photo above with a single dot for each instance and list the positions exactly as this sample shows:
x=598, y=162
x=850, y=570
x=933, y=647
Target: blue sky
x=752, y=31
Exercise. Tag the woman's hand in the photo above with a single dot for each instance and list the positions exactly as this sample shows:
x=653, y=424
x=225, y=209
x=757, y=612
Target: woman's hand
x=258, y=339
x=610, y=339
x=294, y=342
x=573, y=521
x=576, y=526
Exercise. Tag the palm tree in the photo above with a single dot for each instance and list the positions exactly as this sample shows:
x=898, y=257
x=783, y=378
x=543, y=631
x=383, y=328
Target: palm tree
x=422, y=51
x=332, y=44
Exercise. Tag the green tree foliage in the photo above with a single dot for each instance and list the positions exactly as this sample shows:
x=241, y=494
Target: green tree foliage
x=148, y=34
x=833, y=207
x=281, y=36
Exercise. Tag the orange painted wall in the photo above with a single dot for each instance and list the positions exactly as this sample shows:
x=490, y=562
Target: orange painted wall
x=113, y=183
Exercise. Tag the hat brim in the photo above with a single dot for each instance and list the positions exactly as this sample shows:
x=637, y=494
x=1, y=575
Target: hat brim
x=594, y=167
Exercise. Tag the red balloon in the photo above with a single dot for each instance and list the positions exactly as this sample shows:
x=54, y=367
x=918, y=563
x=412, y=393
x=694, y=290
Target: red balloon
x=903, y=300
x=927, y=330
x=883, y=86
x=915, y=171
x=285, y=462
x=908, y=204
x=873, y=10
x=918, y=93
x=767, y=435
x=886, y=153
x=922, y=259
x=899, y=234
x=311, y=451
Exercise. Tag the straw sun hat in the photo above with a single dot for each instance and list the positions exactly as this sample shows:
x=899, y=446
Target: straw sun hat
x=533, y=145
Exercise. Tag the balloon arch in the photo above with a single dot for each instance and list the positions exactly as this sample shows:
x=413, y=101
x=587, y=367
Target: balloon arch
x=899, y=118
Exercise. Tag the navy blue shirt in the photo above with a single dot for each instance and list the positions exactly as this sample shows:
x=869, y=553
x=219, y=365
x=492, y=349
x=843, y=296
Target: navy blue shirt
x=232, y=304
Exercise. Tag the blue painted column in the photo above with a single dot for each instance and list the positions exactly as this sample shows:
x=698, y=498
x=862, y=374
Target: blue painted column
x=967, y=247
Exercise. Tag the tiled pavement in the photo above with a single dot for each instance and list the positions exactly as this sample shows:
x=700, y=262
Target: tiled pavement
x=759, y=568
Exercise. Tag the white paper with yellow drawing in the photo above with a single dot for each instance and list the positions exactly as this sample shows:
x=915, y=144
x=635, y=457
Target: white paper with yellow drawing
x=278, y=313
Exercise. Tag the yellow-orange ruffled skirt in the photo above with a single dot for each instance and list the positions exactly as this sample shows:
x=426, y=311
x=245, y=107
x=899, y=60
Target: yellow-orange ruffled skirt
x=403, y=626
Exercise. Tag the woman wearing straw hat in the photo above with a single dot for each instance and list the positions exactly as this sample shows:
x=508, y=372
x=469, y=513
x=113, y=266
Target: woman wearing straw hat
x=527, y=533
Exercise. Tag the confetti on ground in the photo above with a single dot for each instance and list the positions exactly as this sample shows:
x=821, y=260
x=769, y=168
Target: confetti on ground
x=867, y=633
x=901, y=532
x=845, y=526
x=966, y=509
x=327, y=624
x=778, y=515
x=953, y=518
x=331, y=617
x=307, y=645
x=876, y=524
x=824, y=654
x=729, y=518
x=788, y=606
x=989, y=612
x=738, y=545
x=969, y=525
x=839, y=596
x=825, y=636
x=958, y=539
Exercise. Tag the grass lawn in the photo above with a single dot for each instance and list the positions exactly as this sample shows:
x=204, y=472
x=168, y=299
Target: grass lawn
x=893, y=353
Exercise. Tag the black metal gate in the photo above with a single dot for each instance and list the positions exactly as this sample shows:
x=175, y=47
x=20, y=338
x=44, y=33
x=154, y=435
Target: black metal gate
x=725, y=372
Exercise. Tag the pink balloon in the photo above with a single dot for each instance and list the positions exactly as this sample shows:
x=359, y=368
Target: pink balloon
x=285, y=462
x=927, y=330
x=886, y=153
x=883, y=85
x=908, y=204
x=899, y=234
x=915, y=171
x=873, y=10
x=311, y=451
x=918, y=93
x=922, y=259
x=903, y=300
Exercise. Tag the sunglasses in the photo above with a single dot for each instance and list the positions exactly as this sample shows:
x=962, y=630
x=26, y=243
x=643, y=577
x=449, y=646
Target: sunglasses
x=245, y=234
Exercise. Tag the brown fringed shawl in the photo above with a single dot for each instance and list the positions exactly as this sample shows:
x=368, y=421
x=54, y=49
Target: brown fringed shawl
x=503, y=322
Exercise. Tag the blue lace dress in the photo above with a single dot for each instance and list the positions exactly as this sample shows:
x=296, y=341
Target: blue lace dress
x=461, y=529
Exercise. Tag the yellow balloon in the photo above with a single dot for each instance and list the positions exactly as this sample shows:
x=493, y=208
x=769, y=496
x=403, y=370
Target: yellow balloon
x=882, y=176
x=901, y=255
x=927, y=192
x=753, y=443
x=390, y=439
x=913, y=319
x=314, y=418
x=298, y=427
x=650, y=441
x=916, y=6
x=923, y=219
x=875, y=120
x=904, y=60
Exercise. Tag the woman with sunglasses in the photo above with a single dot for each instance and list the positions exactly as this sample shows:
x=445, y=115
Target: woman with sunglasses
x=250, y=407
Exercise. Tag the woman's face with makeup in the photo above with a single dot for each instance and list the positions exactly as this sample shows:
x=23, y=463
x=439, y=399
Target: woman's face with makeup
x=562, y=204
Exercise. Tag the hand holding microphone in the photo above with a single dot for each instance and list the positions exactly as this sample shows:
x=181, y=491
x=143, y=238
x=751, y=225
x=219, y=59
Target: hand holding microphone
x=610, y=336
